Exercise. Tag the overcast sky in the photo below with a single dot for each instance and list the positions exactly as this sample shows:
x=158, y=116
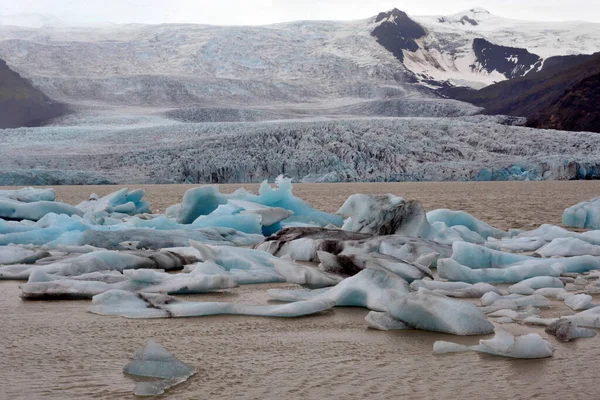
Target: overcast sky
x=256, y=12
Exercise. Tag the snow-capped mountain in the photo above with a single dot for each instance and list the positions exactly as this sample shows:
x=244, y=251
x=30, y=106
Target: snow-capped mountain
x=475, y=48
x=391, y=55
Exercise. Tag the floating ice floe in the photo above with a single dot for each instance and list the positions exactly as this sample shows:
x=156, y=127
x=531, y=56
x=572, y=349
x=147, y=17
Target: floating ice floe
x=566, y=330
x=99, y=261
x=154, y=361
x=503, y=344
x=583, y=215
x=29, y=195
x=369, y=288
x=123, y=201
x=150, y=305
x=431, y=311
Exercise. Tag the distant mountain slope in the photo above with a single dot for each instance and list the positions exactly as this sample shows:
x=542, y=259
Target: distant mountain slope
x=577, y=110
x=532, y=94
x=390, y=55
x=21, y=104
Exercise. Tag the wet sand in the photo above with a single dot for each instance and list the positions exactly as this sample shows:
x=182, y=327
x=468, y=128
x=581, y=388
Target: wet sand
x=56, y=350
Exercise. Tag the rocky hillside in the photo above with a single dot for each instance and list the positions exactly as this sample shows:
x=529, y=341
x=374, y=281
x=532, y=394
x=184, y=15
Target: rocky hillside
x=21, y=104
x=560, y=96
x=577, y=110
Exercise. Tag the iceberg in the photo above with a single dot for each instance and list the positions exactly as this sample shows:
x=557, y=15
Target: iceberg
x=583, y=215
x=154, y=361
x=383, y=215
x=149, y=305
x=249, y=223
x=269, y=215
x=493, y=302
x=455, y=289
x=282, y=197
x=431, y=311
x=369, y=288
x=199, y=201
x=566, y=330
x=589, y=318
x=503, y=344
x=480, y=257
x=123, y=201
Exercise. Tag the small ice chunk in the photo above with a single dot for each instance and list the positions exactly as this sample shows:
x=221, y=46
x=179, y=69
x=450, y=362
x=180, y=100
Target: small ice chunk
x=430, y=311
x=154, y=361
x=566, y=330
x=579, y=302
x=535, y=320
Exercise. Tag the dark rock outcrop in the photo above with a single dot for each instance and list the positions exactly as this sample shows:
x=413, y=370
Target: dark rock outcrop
x=509, y=61
x=398, y=32
x=21, y=104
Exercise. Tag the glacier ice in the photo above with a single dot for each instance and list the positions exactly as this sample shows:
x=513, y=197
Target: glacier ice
x=16, y=210
x=430, y=311
x=503, y=344
x=460, y=218
x=269, y=215
x=583, y=215
x=348, y=265
x=480, y=257
x=568, y=247
x=566, y=330
x=29, y=195
x=99, y=261
x=302, y=244
x=151, y=305
x=383, y=215
x=384, y=321
x=516, y=245
x=18, y=255
x=578, y=302
x=282, y=197
x=262, y=262
x=369, y=288
x=529, y=286
x=199, y=201
x=154, y=361
x=455, y=289
x=123, y=201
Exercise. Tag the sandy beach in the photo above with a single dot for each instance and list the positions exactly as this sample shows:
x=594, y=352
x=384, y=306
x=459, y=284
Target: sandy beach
x=57, y=350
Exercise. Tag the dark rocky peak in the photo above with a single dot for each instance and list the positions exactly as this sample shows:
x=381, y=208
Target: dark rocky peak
x=397, y=32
